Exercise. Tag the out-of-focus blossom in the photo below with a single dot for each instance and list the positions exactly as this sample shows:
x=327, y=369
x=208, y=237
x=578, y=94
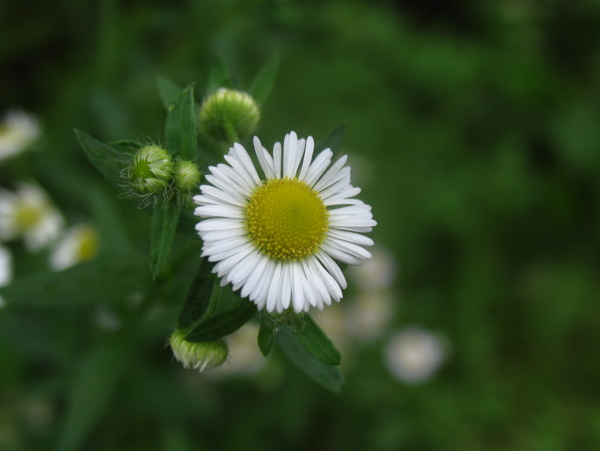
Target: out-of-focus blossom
x=414, y=354
x=245, y=358
x=377, y=273
x=79, y=244
x=28, y=213
x=5, y=267
x=370, y=314
x=18, y=130
x=333, y=323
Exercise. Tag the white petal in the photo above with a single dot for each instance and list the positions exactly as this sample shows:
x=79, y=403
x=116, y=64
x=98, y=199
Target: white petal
x=208, y=225
x=246, y=161
x=332, y=268
x=227, y=264
x=219, y=235
x=219, y=211
x=308, y=152
x=298, y=289
x=333, y=173
x=340, y=255
x=265, y=159
x=318, y=167
x=275, y=288
x=286, y=288
x=351, y=237
x=290, y=146
x=255, y=276
x=277, y=159
x=349, y=248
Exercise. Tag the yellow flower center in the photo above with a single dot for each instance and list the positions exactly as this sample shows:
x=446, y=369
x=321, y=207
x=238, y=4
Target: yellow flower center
x=27, y=216
x=88, y=244
x=286, y=219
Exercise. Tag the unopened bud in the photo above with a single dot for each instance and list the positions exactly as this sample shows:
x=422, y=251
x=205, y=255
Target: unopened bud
x=199, y=356
x=186, y=176
x=150, y=170
x=229, y=115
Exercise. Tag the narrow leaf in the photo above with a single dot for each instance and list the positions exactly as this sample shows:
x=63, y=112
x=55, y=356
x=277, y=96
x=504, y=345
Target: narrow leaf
x=330, y=377
x=314, y=340
x=180, y=129
x=102, y=156
x=168, y=91
x=90, y=392
x=107, y=279
x=164, y=224
x=219, y=76
x=200, y=295
x=222, y=324
x=265, y=338
x=333, y=140
x=265, y=80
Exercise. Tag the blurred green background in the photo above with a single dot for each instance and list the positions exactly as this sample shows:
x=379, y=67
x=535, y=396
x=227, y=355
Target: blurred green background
x=474, y=131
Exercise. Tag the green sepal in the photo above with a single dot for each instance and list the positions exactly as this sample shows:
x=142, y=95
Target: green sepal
x=219, y=76
x=105, y=158
x=203, y=293
x=165, y=217
x=333, y=140
x=213, y=327
x=180, y=128
x=168, y=91
x=314, y=340
x=263, y=83
x=265, y=337
x=328, y=376
x=78, y=286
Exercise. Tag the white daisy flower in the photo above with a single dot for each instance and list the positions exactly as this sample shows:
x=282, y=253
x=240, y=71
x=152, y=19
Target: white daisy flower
x=18, y=131
x=274, y=237
x=79, y=244
x=28, y=213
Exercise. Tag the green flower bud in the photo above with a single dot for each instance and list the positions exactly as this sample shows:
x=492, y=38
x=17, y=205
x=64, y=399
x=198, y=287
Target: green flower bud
x=150, y=170
x=186, y=176
x=199, y=356
x=229, y=115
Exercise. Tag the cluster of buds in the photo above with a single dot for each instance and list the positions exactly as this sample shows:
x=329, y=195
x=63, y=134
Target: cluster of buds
x=152, y=173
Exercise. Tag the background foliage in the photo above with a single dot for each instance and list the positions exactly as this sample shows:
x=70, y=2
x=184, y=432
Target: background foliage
x=474, y=128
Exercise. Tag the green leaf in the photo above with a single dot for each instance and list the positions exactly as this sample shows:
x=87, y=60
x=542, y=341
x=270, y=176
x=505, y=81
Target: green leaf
x=180, y=129
x=333, y=140
x=265, y=338
x=107, y=279
x=164, y=224
x=168, y=91
x=104, y=157
x=265, y=80
x=314, y=340
x=90, y=392
x=217, y=326
x=330, y=377
x=219, y=76
x=203, y=292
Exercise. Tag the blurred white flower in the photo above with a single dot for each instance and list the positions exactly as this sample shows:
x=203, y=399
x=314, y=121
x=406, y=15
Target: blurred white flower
x=5, y=268
x=333, y=323
x=414, y=354
x=18, y=130
x=78, y=244
x=370, y=313
x=377, y=273
x=28, y=213
x=245, y=359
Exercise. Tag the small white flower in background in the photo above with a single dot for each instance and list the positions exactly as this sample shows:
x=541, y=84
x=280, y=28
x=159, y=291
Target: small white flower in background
x=275, y=237
x=414, y=354
x=28, y=213
x=18, y=130
x=245, y=358
x=78, y=244
x=377, y=273
x=5, y=266
x=370, y=314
